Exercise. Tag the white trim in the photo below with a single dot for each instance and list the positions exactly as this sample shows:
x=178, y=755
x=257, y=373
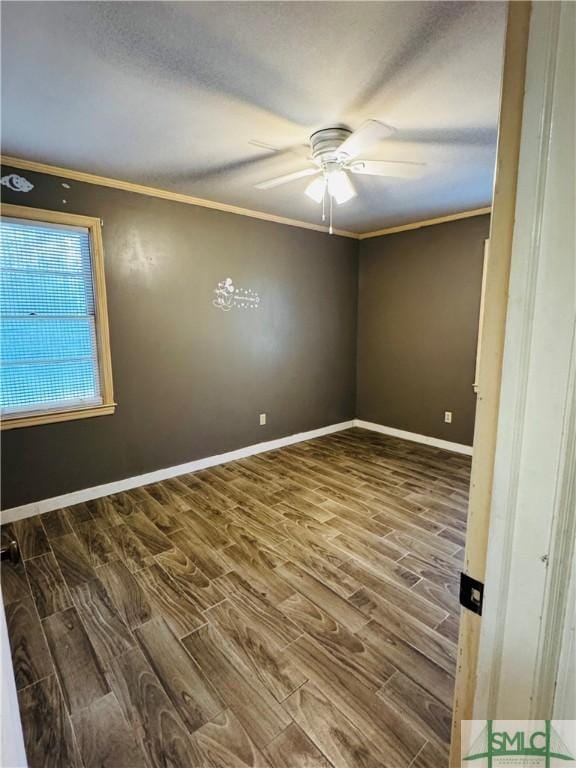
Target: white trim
x=476, y=385
x=557, y=627
x=415, y=437
x=426, y=223
x=86, y=494
x=530, y=547
x=564, y=705
x=179, y=197
x=12, y=751
x=164, y=194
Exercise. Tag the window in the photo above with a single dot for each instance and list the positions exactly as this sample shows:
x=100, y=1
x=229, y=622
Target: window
x=54, y=345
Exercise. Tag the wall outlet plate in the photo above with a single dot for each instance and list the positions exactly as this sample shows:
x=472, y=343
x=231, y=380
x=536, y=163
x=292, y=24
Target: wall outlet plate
x=448, y=417
x=262, y=419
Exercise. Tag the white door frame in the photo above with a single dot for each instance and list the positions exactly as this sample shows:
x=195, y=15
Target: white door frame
x=533, y=519
x=490, y=362
x=511, y=661
x=12, y=751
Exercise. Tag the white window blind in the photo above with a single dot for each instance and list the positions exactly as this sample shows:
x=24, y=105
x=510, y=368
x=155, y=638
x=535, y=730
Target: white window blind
x=48, y=347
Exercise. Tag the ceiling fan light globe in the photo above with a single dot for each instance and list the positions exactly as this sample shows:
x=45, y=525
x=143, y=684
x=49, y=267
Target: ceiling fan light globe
x=316, y=189
x=340, y=187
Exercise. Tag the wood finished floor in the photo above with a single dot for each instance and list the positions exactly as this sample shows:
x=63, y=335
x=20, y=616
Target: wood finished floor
x=297, y=608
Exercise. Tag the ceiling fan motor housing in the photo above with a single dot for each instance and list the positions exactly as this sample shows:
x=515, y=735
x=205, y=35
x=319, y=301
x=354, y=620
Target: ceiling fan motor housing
x=325, y=145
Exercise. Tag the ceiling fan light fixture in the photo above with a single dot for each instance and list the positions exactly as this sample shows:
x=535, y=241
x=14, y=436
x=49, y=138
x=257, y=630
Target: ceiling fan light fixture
x=315, y=190
x=334, y=155
x=340, y=187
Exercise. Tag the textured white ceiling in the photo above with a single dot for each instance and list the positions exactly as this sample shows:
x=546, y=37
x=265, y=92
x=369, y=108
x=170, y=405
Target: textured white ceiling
x=172, y=93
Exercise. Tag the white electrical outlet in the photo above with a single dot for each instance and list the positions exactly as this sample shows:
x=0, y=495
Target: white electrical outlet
x=448, y=417
x=262, y=419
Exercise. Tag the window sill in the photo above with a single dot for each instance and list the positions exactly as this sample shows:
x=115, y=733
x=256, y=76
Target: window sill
x=53, y=417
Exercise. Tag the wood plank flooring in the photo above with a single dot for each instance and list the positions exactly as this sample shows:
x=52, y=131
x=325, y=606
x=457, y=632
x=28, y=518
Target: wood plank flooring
x=294, y=609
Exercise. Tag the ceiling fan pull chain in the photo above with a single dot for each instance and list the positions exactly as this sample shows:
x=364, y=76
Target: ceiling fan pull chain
x=330, y=230
x=324, y=204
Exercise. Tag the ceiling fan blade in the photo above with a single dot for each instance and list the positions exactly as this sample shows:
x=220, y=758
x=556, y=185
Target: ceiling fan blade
x=302, y=150
x=271, y=183
x=369, y=133
x=392, y=168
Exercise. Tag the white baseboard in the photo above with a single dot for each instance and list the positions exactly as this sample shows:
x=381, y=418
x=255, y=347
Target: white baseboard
x=86, y=494
x=415, y=437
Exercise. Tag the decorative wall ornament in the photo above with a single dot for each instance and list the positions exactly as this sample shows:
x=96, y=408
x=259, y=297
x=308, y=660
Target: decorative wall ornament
x=229, y=297
x=16, y=183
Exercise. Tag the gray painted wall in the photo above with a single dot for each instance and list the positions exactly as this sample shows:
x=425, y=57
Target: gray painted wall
x=189, y=379
x=419, y=298
x=384, y=330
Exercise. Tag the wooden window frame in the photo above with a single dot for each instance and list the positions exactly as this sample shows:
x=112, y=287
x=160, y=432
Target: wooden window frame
x=108, y=406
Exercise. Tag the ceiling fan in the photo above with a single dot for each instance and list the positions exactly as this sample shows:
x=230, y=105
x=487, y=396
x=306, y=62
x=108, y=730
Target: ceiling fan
x=334, y=153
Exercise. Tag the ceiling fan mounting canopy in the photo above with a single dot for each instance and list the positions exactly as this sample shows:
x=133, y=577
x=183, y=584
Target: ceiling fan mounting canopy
x=326, y=145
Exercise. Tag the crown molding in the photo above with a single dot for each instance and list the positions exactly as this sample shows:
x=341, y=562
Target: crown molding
x=426, y=222
x=179, y=197
x=164, y=194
